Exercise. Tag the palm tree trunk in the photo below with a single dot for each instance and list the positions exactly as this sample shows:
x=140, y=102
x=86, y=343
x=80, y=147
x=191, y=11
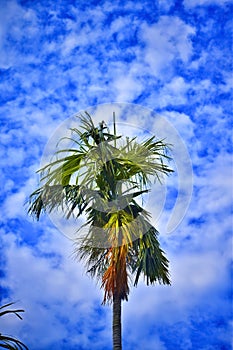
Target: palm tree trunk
x=116, y=323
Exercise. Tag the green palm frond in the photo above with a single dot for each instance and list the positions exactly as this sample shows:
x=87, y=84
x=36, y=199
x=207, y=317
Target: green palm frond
x=149, y=259
x=95, y=258
x=145, y=160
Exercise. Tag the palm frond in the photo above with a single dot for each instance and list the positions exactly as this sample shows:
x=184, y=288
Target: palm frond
x=16, y=312
x=150, y=259
x=10, y=343
x=6, y=341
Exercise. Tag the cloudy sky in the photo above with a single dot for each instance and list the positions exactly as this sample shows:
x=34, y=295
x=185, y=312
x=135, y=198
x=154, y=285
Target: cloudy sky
x=170, y=63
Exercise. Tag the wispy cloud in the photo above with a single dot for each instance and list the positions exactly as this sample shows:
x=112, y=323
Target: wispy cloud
x=174, y=58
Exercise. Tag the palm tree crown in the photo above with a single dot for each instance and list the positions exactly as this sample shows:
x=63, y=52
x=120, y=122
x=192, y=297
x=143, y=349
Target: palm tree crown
x=101, y=177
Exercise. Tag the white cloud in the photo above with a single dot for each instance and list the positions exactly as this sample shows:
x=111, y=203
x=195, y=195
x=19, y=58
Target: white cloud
x=197, y=280
x=194, y=3
x=61, y=65
x=60, y=291
x=207, y=225
x=166, y=41
x=183, y=125
x=215, y=181
x=51, y=289
x=165, y=5
x=118, y=24
x=173, y=93
x=21, y=23
x=127, y=88
x=13, y=205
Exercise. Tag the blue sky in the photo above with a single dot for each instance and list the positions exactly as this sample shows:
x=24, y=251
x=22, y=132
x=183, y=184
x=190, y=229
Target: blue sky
x=172, y=58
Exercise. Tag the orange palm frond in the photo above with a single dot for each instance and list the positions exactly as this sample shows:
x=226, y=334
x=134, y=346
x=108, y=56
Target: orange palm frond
x=115, y=278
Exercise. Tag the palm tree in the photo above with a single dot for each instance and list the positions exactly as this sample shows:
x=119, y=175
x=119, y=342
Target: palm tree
x=101, y=177
x=6, y=341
